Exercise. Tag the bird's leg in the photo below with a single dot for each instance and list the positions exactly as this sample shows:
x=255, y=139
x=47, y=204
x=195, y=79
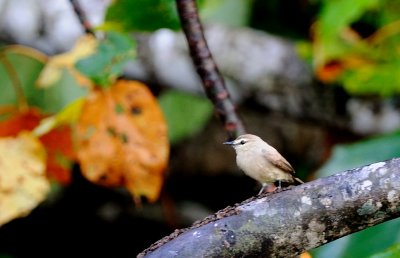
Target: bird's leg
x=267, y=188
x=279, y=187
x=264, y=185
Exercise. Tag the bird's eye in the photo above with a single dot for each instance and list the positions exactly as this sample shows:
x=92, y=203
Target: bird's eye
x=242, y=142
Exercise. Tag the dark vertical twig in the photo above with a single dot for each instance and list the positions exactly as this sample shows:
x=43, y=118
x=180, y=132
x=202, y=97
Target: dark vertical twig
x=213, y=82
x=82, y=17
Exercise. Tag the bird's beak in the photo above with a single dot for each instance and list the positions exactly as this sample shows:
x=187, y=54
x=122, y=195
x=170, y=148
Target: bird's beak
x=229, y=143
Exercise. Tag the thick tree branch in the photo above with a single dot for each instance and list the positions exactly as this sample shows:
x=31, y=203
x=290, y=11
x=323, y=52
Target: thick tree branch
x=287, y=223
x=207, y=69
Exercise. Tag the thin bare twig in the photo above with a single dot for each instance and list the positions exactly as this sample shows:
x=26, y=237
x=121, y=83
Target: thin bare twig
x=207, y=69
x=82, y=17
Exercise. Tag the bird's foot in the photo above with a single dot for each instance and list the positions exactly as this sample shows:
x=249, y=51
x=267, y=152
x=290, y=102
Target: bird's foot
x=267, y=188
x=279, y=187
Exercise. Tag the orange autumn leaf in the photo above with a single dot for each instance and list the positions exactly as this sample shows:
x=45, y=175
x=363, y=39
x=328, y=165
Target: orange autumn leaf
x=17, y=122
x=330, y=72
x=60, y=153
x=58, y=142
x=122, y=139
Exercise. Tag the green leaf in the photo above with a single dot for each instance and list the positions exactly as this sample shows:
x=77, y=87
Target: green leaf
x=186, y=114
x=27, y=70
x=108, y=62
x=334, y=17
x=349, y=156
x=390, y=13
x=142, y=15
x=361, y=244
x=338, y=14
x=369, y=56
x=382, y=79
x=230, y=12
x=391, y=252
x=53, y=99
x=50, y=99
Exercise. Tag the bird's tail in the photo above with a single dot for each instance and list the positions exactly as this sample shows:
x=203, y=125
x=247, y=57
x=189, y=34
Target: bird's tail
x=297, y=181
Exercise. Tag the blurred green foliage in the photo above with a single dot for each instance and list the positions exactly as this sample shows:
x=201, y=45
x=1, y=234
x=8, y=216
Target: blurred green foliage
x=108, y=62
x=366, y=243
x=156, y=14
x=27, y=70
x=361, y=39
x=58, y=96
x=391, y=252
x=336, y=15
x=371, y=240
x=142, y=15
x=347, y=156
x=186, y=114
x=229, y=12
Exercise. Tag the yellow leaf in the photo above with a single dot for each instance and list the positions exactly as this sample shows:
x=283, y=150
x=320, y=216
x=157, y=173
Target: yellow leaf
x=110, y=26
x=23, y=182
x=69, y=115
x=52, y=72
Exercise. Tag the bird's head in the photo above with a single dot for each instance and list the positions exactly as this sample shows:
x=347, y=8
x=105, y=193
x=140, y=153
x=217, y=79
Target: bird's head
x=244, y=142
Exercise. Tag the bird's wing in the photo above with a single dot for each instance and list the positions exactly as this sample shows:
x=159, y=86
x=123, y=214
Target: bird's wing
x=283, y=164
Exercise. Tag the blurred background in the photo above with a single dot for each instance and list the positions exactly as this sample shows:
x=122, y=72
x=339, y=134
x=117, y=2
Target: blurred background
x=317, y=79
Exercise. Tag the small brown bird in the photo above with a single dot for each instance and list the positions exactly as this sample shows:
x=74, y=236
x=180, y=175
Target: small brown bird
x=262, y=162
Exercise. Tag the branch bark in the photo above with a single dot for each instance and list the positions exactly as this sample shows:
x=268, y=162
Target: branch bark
x=213, y=82
x=287, y=223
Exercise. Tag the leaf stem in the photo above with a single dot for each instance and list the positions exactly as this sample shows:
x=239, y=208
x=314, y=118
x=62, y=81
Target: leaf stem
x=384, y=32
x=16, y=83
